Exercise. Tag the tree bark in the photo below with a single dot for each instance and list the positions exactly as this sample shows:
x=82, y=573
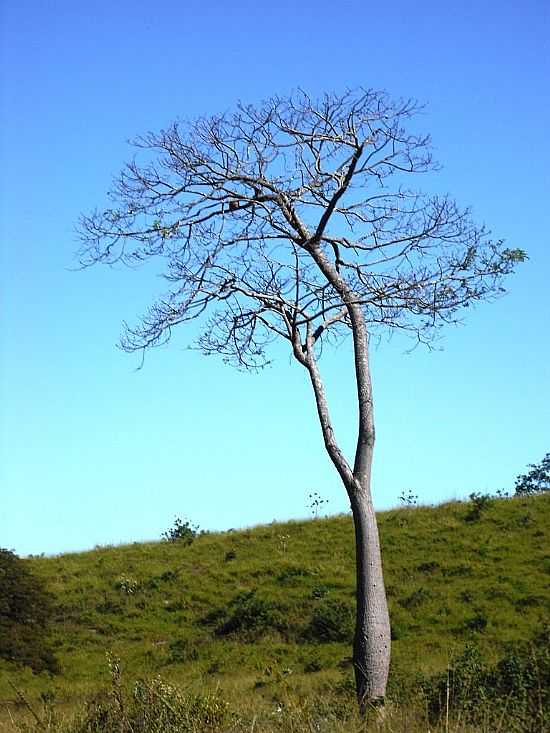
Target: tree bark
x=372, y=642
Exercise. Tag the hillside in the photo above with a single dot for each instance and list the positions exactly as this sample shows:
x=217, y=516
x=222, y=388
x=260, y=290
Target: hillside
x=251, y=609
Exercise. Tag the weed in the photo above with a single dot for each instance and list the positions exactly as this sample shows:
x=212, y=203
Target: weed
x=408, y=498
x=316, y=503
x=283, y=542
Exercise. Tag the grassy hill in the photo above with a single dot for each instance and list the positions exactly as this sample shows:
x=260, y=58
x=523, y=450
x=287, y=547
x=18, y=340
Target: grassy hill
x=260, y=610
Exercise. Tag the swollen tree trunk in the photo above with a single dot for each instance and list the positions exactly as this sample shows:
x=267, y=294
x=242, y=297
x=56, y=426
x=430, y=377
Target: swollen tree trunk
x=372, y=642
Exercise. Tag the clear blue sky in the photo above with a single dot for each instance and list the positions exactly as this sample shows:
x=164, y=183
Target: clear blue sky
x=93, y=451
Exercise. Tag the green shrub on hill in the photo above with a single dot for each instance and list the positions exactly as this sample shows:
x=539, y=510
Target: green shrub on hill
x=332, y=621
x=536, y=480
x=517, y=688
x=182, y=531
x=26, y=609
x=251, y=614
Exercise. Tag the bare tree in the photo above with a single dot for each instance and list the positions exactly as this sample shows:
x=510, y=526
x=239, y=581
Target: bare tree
x=294, y=220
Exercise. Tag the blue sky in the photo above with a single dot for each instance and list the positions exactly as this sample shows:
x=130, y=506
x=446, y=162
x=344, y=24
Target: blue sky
x=94, y=452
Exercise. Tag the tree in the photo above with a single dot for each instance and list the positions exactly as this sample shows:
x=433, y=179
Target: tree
x=294, y=220
x=536, y=480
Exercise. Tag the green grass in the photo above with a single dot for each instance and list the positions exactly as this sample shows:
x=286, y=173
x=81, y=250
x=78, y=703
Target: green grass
x=265, y=610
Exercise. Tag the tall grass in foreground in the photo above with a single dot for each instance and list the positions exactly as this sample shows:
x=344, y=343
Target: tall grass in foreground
x=510, y=697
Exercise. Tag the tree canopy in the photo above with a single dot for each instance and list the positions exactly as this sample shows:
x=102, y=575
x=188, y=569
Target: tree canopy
x=252, y=210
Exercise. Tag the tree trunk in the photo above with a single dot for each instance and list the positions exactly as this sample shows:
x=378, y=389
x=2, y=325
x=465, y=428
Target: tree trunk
x=372, y=643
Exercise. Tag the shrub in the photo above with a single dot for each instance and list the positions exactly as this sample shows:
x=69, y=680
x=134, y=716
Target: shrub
x=332, y=621
x=536, y=480
x=463, y=687
x=26, y=608
x=518, y=687
x=247, y=612
x=479, y=504
x=182, y=531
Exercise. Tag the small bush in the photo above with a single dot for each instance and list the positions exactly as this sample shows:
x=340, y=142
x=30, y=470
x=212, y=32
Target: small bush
x=479, y=504
x=182, y=531
x=332, y=621
x=247, y=612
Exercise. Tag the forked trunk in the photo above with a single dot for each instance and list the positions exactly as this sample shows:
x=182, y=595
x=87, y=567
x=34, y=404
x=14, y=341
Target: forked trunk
x=371, y=648
x=372, y=643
